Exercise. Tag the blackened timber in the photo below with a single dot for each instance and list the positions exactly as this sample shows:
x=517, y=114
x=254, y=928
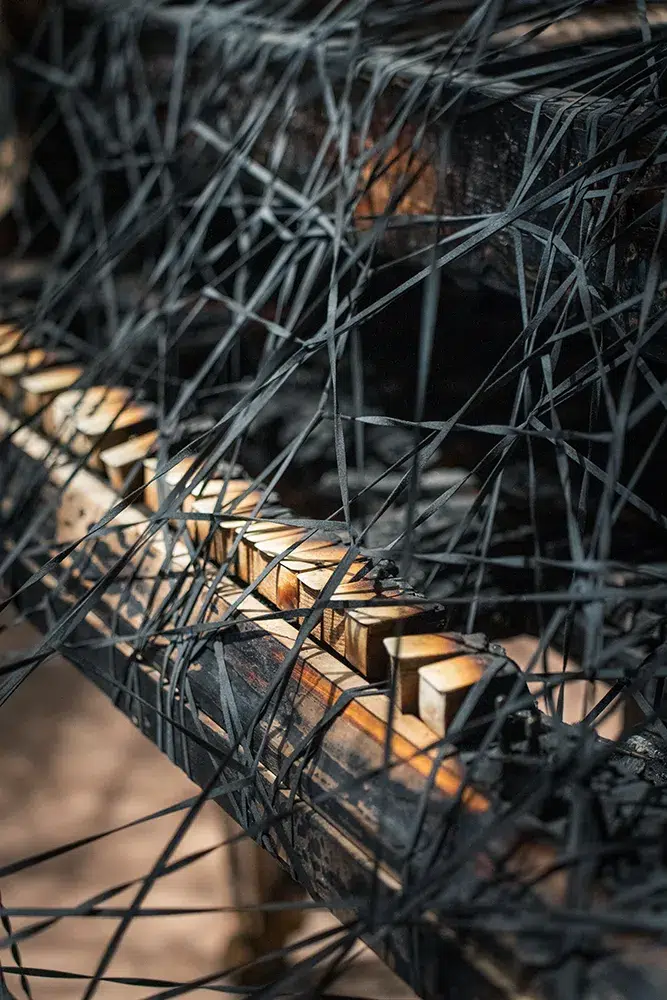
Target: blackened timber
x=330, y=763
x=428, y=164
x=458, y=153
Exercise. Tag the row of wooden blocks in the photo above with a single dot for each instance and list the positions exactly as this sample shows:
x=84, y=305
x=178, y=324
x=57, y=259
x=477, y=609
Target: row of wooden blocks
x=382, y=629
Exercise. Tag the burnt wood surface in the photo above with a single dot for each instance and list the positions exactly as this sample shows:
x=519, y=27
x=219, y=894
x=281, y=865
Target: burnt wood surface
x=437, y=146
x=320, y=765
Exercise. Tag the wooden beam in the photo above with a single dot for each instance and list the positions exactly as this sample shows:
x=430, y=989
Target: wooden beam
x=349, y=751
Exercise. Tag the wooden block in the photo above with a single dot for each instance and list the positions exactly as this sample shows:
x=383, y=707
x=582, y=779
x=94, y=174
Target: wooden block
x=12, y=366
x=172, y=477
x=281, y=585
x=22, y=362
x=160, y=488
x=214, y=487
x=89, y=421
x=226, y=513
x=41, y=387
x=67, y=408
x=442, y=688
x=331, y=628
x=407, y=653
x=123, y=460
x=262, y=530
x=366, y=630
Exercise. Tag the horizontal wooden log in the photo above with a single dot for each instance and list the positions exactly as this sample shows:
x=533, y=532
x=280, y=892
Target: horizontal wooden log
x=365, y=814
x=252, y=662
x=424, y=168
x=415, y=168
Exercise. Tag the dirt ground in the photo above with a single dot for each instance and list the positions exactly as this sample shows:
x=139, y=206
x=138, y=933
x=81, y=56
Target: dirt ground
x=72, y=766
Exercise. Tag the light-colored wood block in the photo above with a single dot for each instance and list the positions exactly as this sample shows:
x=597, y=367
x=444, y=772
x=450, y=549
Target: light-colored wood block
x=162, y=487
x=226, y=513
x=22, y=362
x=13, y=366
x=41, y=387
x=281, y=584
x=442, y=688
x=124, y=460
x=89, y=421
x=407, y=653
x=366, y=630
x=172, y=477
x=248, y=565
x=348, y=594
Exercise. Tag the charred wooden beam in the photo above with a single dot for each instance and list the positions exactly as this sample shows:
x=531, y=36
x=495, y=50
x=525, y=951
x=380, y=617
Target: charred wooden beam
x=322, y=735
x=437, y=151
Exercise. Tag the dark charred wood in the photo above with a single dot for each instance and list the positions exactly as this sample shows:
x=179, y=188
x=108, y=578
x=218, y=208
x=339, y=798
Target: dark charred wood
x=324, y=781
x=457, y=153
